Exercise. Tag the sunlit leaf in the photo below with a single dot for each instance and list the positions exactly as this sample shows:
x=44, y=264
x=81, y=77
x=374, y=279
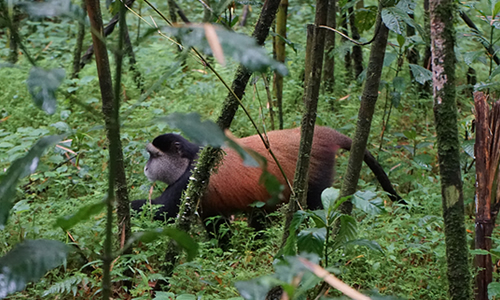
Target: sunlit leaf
x=493, y=290
x=420, y=74
x=241, y=48
x=42, y=85
x=407, y=6
x=19, y=169
x=393, y=19
x=182, y=239
x=28, y=262
x=468, y=147
x=82, y=214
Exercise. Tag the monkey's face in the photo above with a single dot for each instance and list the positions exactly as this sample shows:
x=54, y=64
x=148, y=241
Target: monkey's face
x=165, y=166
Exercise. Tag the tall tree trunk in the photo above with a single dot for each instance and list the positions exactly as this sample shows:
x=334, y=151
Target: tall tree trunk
x=311, y=93
x=329, y=65
x=487, y=151
x=280, y=45
x=411, y=52
x=209, y=157
x=445, y=114
x=357, y=53
x=365, y=115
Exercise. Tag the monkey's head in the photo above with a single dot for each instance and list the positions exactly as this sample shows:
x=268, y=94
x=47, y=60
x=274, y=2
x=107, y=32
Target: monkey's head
x=170, y=155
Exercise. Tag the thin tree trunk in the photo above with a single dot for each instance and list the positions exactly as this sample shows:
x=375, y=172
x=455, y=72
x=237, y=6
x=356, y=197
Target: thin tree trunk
x=445, y=114
x=78, y=46
x=110, y=108
x=347, y=56
x=487, y=151
x=280, y=47
x=209, y=157
x=106, y=85
x=308, y=56
x=411, y=52
x=329, y=65
x=365, y=115
x=357, y=53
x=311, y=93
x=13, y=33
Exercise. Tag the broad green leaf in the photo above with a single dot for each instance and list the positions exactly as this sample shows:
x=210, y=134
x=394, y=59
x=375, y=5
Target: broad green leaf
x=312, y=240
x=273, y=187
x=164, y=296
x=389, y=58
x=42, y=85
x=395, y=98
x=366, y=17
x=479, y=252
x=19, y=169
x=368, y=202
x=28, y=262
x=393, y=19
x=82, y=214
x=399, y=84
x=401, y=40
x=256, y=289
x=371, y=245
x=493, y=287
x=240, y=47
x=496, y=9
x=347, y=231
x=180, y=237
x=208, y=133
x=407, y=6
x=420, y=74
x=290, y=247
x=410, y=134
x=186, y=297
x=328, y=198
x=471, y=56
x=423, y=160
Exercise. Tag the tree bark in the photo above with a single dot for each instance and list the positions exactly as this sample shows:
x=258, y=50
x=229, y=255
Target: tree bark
x=347, y=56
x=487, y=152
x=280, y=47
x=445, y=114
x=365, y=115
x=329, y=65
x=311, y=93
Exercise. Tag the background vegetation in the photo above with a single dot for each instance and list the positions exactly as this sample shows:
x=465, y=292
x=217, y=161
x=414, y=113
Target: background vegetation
x=73, y=173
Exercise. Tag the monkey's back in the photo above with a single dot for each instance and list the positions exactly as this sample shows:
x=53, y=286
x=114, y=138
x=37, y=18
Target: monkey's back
x=235, y=186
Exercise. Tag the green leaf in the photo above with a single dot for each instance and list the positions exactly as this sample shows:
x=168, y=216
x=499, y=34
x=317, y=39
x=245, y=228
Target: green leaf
x=368, y=202
x=471, y=56
x=389, y=58
x=408, y=6
x=399, y=84
x=468, y=147
x=208, y=133
x=186, y=297
x=479, y=252
x=182, y=239
x=28, y=262
x=410, y=134
x=53, y=8
x=493, y=287
x=366, y=17
x=328, y=198
x=393, y=18
x=495, y=71
x=19, y=169
x=312, y=240
x=42, y=85
x=371, y=245
x=347, y=231
x=82, y=214
x=420, y=74
x=290, y=246
x=395, y=98
x=164, y=296
x=496, y=9
x=240, y=47
x=273, y=187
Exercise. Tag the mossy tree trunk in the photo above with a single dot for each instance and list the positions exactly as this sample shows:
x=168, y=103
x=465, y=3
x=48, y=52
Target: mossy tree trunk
x=78, y=45
x=365, y=115
x=445, y=113
x=357, y=52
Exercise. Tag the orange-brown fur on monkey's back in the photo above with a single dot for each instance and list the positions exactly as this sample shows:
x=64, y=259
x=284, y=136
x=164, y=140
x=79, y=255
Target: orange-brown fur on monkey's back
x=235, y=186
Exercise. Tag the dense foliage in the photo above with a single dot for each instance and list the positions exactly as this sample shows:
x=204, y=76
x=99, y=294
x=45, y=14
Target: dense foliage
x=72, y=175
